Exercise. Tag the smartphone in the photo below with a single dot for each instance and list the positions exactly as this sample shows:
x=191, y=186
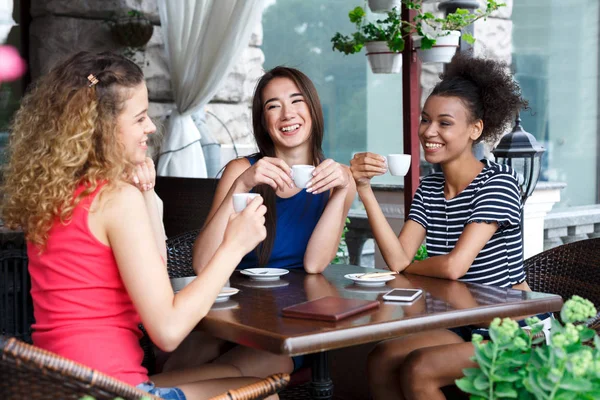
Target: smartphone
x=406, y=295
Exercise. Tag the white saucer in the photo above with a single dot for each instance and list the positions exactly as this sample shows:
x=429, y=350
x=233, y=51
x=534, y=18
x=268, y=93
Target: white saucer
x=264, y=284
x=225, y=305
x=264, y=274
x=374, y=281
x=225, y=294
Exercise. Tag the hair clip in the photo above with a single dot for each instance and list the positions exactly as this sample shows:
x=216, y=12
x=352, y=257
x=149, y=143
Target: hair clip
x=93, y=80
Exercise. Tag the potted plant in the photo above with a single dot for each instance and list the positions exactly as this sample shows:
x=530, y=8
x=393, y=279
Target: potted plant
x=437, y=38
x=384, y=6
x=520, y=365
x=132, y=29
x=384, y=39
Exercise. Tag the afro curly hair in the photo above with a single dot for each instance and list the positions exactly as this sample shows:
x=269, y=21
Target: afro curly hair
x=488, y=90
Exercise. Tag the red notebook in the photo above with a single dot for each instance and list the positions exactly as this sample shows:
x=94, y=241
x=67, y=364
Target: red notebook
x=329, y=308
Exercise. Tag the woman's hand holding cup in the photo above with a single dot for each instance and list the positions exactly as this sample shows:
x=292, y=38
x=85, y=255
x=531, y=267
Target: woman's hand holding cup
x=245, y=230
x=328, y=175
x=365, y=166
x=267, y=171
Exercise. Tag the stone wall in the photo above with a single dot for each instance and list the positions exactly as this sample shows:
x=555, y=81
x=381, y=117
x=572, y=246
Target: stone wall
x=61, y=27
x=493, y=40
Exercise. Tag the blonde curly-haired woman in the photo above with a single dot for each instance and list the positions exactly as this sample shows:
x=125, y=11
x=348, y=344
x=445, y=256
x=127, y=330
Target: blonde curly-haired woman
x=80, y=185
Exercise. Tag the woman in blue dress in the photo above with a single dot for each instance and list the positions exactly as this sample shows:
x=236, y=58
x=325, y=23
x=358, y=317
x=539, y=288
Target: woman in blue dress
x=304, y=226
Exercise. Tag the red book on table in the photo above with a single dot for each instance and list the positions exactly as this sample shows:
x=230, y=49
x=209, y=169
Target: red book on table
x=329, y=308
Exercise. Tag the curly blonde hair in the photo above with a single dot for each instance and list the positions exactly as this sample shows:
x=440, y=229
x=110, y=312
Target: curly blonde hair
x=65, y=135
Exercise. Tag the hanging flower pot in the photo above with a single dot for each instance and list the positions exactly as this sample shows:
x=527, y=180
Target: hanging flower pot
x=133, y=30
x=382, y=59
x=446, y=44
x=383, y=6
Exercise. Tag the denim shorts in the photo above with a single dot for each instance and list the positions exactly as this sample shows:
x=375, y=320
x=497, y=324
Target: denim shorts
x=171, y=393
x=466, y=332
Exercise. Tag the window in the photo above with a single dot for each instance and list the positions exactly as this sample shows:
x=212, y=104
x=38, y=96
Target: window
x=558, y=72
x=362, y=110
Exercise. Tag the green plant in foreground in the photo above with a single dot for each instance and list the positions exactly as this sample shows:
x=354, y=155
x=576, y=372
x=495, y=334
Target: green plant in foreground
x=516, y=365
x=393, y=30
x=421, y=253
x=340, y=257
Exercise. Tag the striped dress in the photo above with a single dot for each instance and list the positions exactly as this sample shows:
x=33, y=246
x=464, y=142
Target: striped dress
x=493, y=196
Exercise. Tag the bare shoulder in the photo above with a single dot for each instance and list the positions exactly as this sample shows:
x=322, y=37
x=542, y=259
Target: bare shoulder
x=118, y=197
x=235, y=168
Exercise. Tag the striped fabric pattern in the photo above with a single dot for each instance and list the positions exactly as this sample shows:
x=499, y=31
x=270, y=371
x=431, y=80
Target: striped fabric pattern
x=493, y=196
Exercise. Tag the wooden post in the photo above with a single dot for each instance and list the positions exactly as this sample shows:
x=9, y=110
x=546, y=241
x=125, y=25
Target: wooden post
x=411, y=99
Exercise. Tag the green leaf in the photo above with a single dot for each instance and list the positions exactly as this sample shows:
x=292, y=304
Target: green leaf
x=505, y=390
x=467, y=37
x=466, y=386
x=356, y=15
x=427, y=43
x=481, y=382
x=575, y=384
x=587, y=334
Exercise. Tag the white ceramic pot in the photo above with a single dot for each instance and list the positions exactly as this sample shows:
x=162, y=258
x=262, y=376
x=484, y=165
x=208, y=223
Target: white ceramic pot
x=383, y=6
x=382, y=59
x=442, y=52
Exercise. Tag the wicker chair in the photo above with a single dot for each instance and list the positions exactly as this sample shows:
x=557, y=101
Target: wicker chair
x=186, y=202
x=179, y=254
x=16, y=308
x=568, y=270
x=28, y=372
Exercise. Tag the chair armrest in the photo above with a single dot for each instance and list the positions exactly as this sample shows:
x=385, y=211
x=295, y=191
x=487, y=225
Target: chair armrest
x=258, y=390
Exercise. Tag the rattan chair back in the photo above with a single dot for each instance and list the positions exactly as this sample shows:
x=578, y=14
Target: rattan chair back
x=258, y=390
x=186, y=202
x=28, y=372
x=567, y=270
x=16, y=307
x=179, y=254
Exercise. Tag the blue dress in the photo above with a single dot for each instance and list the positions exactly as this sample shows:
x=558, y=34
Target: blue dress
x=297, y=217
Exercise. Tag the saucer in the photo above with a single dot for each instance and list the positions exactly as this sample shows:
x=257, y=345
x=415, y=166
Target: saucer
x=225, y=294
x=264, y=284
x=372, y=282
x=264, y=274
x=225, y=305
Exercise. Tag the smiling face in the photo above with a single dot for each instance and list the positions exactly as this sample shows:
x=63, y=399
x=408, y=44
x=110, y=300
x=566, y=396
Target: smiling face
x=134, y=125
x=446, y=131
x=286, y=114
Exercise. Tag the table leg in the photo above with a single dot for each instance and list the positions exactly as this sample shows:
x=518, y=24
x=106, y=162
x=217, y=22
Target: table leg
x=321, y=386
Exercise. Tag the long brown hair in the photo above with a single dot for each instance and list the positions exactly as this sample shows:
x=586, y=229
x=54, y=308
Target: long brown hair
x=266, y=147
x=65, y=134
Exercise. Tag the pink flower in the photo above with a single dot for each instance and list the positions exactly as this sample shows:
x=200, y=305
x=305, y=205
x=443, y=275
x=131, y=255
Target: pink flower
x=12, y=66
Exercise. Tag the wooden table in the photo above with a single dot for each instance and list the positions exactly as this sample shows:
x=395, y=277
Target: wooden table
x=253, y=316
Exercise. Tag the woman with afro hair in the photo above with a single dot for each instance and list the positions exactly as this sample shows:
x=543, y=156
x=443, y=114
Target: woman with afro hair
x=469, y=216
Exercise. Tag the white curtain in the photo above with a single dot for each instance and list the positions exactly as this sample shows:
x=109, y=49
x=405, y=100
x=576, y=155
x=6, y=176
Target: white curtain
x=203, y=38
x=6, y=21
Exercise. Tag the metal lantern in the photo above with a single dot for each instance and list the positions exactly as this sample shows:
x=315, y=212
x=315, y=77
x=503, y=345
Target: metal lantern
x=523, y=153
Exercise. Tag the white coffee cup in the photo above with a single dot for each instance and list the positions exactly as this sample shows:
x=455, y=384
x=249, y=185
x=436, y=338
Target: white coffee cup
x=398, y=164
x=301, y=174
x=241, y=200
